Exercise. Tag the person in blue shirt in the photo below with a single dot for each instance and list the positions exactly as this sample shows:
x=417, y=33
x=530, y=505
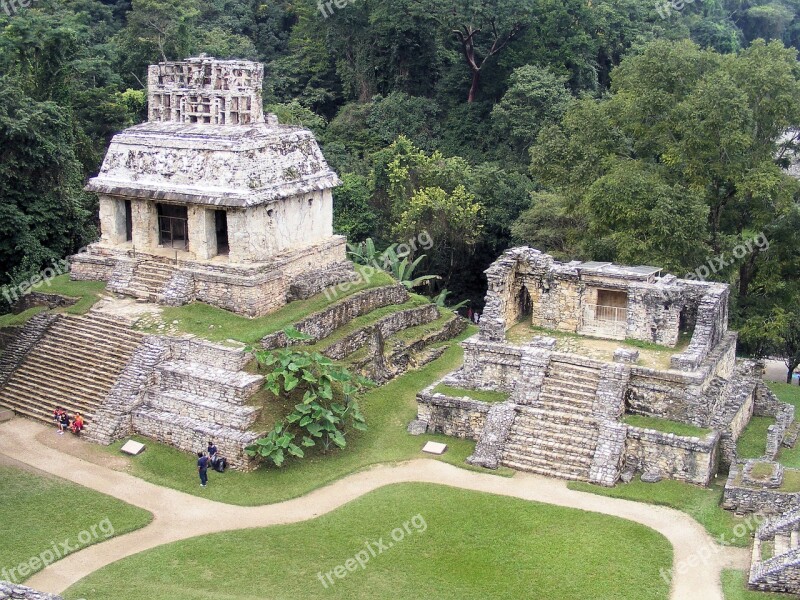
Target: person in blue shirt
x=202, y=468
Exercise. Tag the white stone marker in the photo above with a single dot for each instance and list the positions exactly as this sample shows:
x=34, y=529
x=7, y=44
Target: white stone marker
x=132, y=447
x=434, y=448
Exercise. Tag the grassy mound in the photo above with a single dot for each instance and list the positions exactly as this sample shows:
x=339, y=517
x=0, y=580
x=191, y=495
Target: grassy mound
x=448, y=544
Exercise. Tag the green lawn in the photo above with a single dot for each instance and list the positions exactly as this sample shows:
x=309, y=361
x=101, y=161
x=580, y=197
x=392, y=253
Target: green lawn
x=451, y=544
x=666, y=426
x=38, y=510
x=702, y=504
x=480, y=395
x=753, y=441
x=734, y=587
x=216, y=324
x=86, y=293
x=388, y=410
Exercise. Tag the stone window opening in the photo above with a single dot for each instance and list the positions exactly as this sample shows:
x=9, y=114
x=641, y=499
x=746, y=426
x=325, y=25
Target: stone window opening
x=173, y=228
x=221, y=229
x=612, y=305
x=128, y=221
x=524, y=303
x=310, y=201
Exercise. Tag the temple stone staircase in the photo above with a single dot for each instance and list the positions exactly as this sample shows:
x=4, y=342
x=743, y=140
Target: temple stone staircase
x=149, y=280
x=775, y=564
x=558, y=434
x=74, y=365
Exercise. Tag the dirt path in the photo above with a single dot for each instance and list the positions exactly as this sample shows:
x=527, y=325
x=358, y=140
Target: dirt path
x=179, y=516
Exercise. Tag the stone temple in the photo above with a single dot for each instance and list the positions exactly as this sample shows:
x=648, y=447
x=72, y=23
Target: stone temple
x=211, y=201
x=596, y=361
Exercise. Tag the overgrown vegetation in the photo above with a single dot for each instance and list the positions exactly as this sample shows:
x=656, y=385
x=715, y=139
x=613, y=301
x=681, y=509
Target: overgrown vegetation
x=326, y=402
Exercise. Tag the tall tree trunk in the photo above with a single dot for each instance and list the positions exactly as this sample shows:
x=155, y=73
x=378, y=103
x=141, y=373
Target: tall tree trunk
x=473, y=90
x=789, y=374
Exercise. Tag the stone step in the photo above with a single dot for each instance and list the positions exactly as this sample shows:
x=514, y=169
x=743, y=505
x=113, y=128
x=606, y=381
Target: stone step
x=149, y=282
x=567, y=418
x=554, y=431
x=564, y=407
x=572, y=380
x=794, y=539
x=544, y=468
x=52, y=355
x=42, y=408
x=204, y=380
x=755, y=554
x=99, y=328
x=202, y=409
x=579, y=403
x=33, y=377
x=570, y=387
x=72, y=343
x=581, y=457
x=589, y=372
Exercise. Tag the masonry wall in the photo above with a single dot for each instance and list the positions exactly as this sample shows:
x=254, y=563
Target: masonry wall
x=688, y=459
x=456, y=417
x=490, y=365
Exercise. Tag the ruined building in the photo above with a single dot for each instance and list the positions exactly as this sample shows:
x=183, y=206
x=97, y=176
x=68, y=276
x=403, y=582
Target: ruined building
x=211, y=201
x=581, y=350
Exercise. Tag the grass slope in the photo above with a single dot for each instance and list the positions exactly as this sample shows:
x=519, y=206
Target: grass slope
x=216, y=324
x=86, y=293
x=480, y=395
x=702, y=504
x=666, y=426
x=38, y=510
x=459, y=545
x=388, y=410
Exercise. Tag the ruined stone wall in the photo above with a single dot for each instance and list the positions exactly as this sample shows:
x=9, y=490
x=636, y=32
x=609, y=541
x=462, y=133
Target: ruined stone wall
x=689, y=459
x=711, y=326
x=457, y=417
x=490, y=365
x=387, y=326
x=323, y=323
x=744, y=500
x=13, y=591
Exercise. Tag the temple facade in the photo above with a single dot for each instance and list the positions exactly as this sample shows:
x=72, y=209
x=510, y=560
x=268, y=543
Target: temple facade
x=211, y=200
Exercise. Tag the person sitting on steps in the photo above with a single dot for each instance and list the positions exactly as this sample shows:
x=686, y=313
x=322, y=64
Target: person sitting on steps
x=77, y=424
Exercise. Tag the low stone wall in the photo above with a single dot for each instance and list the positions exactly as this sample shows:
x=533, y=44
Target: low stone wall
x=50, y=301
x=388, y=325
x=767, y=404
x=314, y=282
x=491, y=365
x=251, y=289
x=733, y=413
x=457, y=417
x=201, y=351
x=13, y=591
x=689, y=459
x=744, y=500
x=321, y=324
x=778, y=574
x=680, y=396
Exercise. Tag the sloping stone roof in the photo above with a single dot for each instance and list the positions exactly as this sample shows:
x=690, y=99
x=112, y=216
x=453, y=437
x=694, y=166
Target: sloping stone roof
x=232, y=166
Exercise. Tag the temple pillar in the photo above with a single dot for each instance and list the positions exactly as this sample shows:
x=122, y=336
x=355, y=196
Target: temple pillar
x=145, y=225
x=112, y=221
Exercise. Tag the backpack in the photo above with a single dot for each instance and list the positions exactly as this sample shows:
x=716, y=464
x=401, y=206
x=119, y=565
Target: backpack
x=220, y=464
